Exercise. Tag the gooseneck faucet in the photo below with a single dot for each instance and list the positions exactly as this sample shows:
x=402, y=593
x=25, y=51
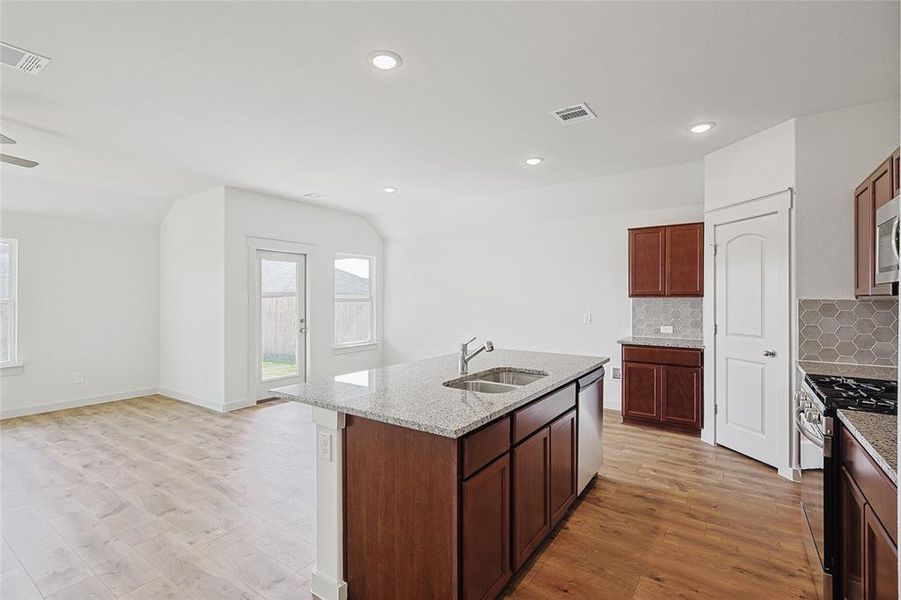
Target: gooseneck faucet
x=465, y=358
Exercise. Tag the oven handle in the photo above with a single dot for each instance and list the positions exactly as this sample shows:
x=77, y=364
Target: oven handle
x=818, y=440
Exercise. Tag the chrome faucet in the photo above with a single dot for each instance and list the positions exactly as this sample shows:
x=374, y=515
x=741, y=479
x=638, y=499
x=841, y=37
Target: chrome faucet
x=465, y=358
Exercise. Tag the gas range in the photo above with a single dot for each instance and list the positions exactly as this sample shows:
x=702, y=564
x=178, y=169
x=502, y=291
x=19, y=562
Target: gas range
x=869, y=395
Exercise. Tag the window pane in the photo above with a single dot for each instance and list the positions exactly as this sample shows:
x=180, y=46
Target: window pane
x=5, y=321
x=4, y=269
x=353, y=322
x=278, y=323
x=352, y=277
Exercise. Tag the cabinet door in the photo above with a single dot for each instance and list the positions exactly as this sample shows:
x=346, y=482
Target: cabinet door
x=896, y=171
x=852, y=505
x=563, y=465
x=865, y=243
x=647, y=253
x=882, y=184
x=681, y=396
x=531, y=483
x=486, y=531
x=880, y=560
x=641, y=390
x=684, y=272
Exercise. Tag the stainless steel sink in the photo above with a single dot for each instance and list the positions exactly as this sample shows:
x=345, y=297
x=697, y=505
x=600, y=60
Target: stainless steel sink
x=496, y=381
x=511, y=377
x=482, y=386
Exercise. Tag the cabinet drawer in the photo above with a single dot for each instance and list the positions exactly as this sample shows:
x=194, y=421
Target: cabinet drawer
x=532, y=417
x=880, y=492
x=657, y=355
x=484, y=445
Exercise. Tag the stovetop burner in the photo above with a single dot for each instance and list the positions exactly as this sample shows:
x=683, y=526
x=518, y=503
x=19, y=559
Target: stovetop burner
x=871, y=395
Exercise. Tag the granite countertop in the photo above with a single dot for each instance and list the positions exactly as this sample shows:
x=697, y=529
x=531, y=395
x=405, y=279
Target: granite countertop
x=412, y=395
x=844, y=370
x=878, y=434
x=663, y=342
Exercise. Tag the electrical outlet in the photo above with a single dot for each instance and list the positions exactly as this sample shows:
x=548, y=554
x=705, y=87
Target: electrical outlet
x=79, y=377
x=325, y=446
x=587, y=318
x=666, y=329
x=617, y=373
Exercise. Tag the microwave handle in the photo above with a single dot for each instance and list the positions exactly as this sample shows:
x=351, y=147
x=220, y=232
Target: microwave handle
x=895, y=239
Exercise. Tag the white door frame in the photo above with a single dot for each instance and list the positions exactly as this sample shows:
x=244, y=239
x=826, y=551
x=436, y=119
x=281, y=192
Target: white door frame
x=781, y=204
x=253, y=317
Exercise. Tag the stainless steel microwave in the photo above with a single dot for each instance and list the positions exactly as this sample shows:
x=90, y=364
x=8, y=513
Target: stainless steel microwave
x=887, y=242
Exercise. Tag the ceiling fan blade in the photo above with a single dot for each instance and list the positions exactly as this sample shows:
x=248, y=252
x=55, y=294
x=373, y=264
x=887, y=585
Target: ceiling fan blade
x=6, y=139
x=19, y=162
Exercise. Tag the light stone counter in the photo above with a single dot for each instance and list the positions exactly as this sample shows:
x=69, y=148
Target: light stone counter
x=878, y=434
x=412, y=395
x=663, y=342
x=845, y=370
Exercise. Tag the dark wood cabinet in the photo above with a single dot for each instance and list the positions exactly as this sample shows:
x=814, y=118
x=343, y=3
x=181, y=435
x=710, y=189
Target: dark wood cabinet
x=531, y=486
x=680, y=391
x=486, y=531
x=563, y=465
x=896, y=172
x=868, y=559
x=684, y=272
x=876, y=190
x=641, y=391
x=647, y=261
x=663, y=387
x=667, y=260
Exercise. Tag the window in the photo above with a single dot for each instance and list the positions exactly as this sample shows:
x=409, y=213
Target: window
x=354, y=300
x=8, y=276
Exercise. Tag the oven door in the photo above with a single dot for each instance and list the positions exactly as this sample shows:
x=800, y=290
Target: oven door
x=817, y=488
x=887, y=242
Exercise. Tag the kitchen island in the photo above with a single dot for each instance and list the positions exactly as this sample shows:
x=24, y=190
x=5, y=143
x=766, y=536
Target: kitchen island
x=430, y=491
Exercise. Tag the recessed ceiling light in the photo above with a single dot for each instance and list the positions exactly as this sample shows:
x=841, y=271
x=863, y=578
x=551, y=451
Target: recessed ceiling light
x=390, y=190
x=535, y=160
x=702, y=127
x=385, y=60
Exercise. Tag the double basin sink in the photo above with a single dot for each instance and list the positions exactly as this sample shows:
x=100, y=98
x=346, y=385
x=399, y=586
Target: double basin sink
x=496, y=381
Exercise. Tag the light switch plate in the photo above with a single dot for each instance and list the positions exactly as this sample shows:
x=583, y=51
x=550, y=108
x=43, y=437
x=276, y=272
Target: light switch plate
x=586, y=318
x=666, y=329
x=79, y=377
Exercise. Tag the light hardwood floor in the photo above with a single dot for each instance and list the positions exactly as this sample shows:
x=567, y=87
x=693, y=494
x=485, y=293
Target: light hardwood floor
x=153, y=498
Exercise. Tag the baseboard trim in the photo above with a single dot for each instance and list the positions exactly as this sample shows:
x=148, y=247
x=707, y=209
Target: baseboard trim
x=26, y=411
x=192, y=399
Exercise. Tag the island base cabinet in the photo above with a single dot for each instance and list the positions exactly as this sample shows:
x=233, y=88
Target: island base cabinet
x=531, y=484
x=486, y=531
x=563, y=465
x=880, y=560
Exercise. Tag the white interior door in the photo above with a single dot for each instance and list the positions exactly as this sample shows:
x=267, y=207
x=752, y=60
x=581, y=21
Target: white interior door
x=752, y=337
x=281, y=326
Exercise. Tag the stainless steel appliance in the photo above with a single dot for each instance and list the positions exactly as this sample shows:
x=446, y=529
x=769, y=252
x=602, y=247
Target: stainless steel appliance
x=887, y=242
x=815, y=418
x=591, y=426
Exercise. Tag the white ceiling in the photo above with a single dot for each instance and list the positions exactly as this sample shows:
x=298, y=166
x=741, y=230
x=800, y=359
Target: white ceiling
x=164, y=99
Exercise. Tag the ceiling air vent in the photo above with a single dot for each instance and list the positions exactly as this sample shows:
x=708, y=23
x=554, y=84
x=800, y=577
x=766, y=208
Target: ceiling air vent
x=573, y=114
x=22, y=59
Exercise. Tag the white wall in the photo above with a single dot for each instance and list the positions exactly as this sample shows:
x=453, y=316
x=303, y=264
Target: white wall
x=835, y=151
x=88, y=302
x=330, y=231
x=523, y=285
x=192, y=301
x=761, y=164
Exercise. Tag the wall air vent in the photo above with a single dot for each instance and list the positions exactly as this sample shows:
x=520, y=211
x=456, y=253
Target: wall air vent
x=573, y=114
x=22, y=60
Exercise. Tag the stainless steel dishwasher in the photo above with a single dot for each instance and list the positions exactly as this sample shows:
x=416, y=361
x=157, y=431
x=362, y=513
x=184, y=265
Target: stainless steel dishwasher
x=591, y=426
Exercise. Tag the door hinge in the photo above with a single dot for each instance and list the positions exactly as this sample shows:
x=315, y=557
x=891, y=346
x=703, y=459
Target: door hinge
x=714, y=249
x=715, y=328
x=716, y=408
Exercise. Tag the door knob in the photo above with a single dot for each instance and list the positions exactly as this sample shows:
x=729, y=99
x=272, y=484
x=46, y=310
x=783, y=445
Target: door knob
x=769, y=353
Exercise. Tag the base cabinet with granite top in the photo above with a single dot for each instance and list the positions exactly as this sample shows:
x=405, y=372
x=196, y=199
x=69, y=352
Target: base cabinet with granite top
x=663, y=387
x=869, y=526
x=437, y=517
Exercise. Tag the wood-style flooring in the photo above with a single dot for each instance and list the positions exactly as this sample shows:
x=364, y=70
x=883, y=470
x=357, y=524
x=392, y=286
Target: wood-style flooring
x=153, y=499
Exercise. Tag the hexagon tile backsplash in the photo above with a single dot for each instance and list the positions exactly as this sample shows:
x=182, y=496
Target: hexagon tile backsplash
x=860, y=332
x=684, y=315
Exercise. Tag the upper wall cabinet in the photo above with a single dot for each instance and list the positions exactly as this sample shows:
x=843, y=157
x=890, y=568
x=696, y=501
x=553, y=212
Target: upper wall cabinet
x=667, y=260
x=875, y=191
